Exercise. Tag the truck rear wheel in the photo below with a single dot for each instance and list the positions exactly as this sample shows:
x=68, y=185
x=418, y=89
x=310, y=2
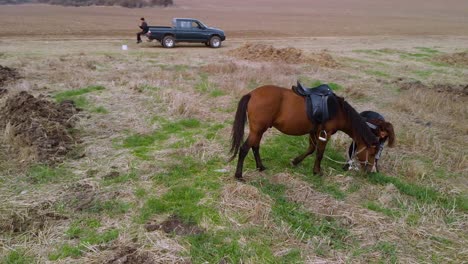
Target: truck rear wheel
x=168, y=42
x=215, y=42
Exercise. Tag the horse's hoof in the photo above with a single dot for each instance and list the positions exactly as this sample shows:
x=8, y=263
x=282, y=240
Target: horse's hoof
x=262, y=168
x=319, y=173
x=293, y=163
x=240, y=179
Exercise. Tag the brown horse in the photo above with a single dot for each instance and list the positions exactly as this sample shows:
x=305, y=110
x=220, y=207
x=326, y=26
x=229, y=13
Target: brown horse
x=272, y=106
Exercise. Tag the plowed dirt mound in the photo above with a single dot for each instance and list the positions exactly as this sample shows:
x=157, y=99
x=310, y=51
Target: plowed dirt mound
x=457, y=90
x=460, y=58
x=263, y=52
x=8, y=74
x=38, y=129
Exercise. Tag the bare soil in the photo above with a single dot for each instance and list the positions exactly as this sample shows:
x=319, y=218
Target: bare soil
x=37, y=127
x=6, y=75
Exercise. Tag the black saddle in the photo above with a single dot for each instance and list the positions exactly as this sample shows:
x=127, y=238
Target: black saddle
x=320, y=102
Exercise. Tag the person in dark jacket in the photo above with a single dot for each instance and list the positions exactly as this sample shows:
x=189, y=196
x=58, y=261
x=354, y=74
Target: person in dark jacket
x=381, y=129
x=144, y=29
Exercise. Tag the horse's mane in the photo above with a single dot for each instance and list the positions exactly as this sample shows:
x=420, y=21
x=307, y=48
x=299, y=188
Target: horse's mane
x=358, y=125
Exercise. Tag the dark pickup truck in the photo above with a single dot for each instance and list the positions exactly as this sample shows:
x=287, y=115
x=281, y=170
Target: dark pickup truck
x=186, y=30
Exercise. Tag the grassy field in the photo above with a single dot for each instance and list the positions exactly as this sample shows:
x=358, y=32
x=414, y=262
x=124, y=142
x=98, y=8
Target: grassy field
x=150, y=182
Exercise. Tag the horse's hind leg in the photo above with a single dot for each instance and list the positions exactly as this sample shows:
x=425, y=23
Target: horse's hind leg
x=243, y=151
x=258, y=160
x=310, y=150
x=253, y=141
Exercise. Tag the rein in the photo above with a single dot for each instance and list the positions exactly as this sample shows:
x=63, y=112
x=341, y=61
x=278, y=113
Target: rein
x=354, y=157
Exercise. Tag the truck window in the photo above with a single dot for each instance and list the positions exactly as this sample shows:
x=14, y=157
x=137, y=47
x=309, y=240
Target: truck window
x=195, y=25
x=185, y=24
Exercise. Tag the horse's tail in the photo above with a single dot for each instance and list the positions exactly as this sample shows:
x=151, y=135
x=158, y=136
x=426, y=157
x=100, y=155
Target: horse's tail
x=238, y=126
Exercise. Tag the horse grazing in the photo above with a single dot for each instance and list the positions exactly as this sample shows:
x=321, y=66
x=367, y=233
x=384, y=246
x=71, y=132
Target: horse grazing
x=272, y=106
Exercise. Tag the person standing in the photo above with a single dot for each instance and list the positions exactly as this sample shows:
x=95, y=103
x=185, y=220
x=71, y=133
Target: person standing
x=144, y=29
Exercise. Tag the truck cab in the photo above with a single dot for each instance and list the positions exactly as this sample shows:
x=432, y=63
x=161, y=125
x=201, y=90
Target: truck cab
x=187, y=30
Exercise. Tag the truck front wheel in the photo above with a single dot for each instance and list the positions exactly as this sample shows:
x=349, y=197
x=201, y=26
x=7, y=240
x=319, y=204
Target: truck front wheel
x=215, y=42
x=168, y=42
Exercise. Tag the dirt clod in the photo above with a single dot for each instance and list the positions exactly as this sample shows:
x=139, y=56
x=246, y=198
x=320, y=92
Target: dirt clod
x=8, y=74
x=263, y=52
x=38, y=129
x=131, y=255
x=175, y=225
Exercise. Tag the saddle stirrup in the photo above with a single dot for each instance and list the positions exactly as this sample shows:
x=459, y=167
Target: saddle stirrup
x=321, y=138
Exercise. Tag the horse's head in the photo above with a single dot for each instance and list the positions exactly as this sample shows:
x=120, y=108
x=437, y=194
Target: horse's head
x=366, y=156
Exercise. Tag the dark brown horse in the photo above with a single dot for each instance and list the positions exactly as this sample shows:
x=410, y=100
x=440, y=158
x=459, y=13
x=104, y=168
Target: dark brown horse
x=272, y=106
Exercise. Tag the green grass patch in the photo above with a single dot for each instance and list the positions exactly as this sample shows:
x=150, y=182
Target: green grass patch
x=427, y=50
x=205, y=86
x=413, y=219
x=183, y=201
x=47, y=174
x=388, y=253
x=215, y=247
x=77, y=96
x=378, y=73
x=176, y=67
x=310, y=83
x=368, y=52
x=424, y=73
x=86, y=231
x=146, y=87
x=131, y=176
x=99, y=110
x=67, y=95
x=304, y=224
x=378, y=208
x=65, y=251
x=17, y=257
x=182, y=171
x=225, y=246
x=421, y=193
x=217, y=93
x=110, y=207
x=142, y=144
x=280, y=150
